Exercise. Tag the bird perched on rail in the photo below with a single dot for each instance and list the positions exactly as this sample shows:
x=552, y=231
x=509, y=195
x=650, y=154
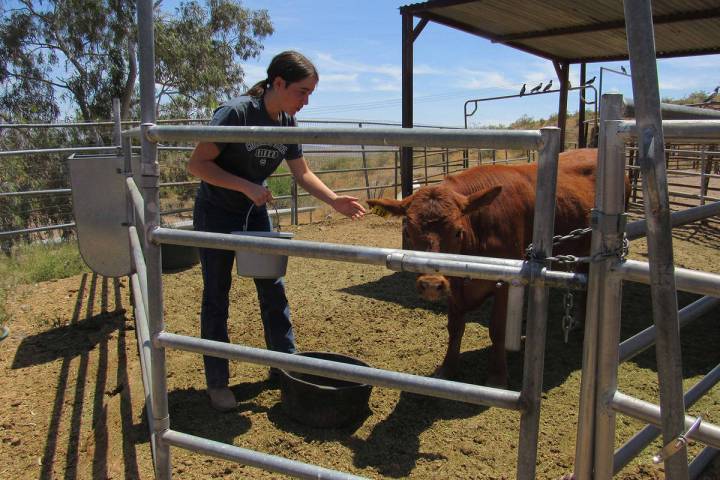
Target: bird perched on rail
x=623, y=69
x=522, y=90
x=548, y=86
x=712, y=95
x=536, y=88
x=590, y=82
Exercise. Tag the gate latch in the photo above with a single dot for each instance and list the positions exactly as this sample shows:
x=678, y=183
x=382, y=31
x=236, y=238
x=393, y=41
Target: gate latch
x=674, y=446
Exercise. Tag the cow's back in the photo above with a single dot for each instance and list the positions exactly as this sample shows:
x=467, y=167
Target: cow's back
x=504, y=228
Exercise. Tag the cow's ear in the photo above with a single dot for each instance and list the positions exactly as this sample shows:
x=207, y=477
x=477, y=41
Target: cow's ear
x=480, y=199
x=388, y=206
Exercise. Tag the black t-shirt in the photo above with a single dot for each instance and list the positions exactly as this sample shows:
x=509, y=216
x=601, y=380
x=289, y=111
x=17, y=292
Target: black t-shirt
x=251, y=161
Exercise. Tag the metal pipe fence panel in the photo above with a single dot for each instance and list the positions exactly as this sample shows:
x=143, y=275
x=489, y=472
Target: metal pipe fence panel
x=474, y=394
x=707, y=433
x=271, y=463
x=694, y=281
x=416, y=137
x=644, y=437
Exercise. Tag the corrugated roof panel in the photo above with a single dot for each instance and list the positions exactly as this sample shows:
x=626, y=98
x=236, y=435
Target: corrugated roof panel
x=579, y=30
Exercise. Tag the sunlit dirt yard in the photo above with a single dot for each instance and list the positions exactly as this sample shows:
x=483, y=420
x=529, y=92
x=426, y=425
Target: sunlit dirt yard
x=72, y=398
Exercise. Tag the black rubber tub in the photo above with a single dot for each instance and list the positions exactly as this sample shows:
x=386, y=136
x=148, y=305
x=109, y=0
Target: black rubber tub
x=324, y=402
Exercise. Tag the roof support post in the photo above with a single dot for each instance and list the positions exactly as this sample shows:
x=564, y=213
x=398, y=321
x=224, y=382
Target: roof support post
x=406, y=161
x=582, y=128
x=651, y=158
x=563, y=71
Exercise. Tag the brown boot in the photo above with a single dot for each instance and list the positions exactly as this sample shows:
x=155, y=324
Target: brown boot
x=222, y=399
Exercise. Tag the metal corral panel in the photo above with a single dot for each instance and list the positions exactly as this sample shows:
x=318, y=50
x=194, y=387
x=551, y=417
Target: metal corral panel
x=99, y=206
x=578, y=31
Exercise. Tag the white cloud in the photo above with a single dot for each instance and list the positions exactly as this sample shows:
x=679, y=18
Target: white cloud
x=428, y=70
x=254, y=73
x=338, y=82
x=473, y=79
x=327, y=61
x=685, y=83
x=386, y=86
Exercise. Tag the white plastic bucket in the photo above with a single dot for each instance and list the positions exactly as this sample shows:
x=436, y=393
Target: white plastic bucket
x=261, y=265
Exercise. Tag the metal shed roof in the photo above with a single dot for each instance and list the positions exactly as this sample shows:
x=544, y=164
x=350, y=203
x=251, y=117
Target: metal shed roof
x=576, y=31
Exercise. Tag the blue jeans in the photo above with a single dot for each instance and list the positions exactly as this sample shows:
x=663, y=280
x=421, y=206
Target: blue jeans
x=217, y=271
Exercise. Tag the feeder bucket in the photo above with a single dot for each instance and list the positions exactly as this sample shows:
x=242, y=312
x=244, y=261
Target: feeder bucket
x=324, y=402
x=261, y=265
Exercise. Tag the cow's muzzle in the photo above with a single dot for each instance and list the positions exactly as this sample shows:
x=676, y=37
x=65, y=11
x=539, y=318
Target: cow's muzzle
x=432, y=287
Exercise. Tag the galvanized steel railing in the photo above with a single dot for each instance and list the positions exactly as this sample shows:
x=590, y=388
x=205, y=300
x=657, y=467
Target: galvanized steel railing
x=600, y=398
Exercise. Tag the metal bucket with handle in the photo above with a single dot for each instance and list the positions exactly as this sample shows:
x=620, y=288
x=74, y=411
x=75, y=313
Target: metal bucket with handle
x=261, y=265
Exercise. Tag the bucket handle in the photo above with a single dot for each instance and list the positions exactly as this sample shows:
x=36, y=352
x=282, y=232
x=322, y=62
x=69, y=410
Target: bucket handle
x=252, y=205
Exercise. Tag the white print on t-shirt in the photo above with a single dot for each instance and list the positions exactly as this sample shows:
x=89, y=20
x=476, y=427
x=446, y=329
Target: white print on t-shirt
x=279, y=147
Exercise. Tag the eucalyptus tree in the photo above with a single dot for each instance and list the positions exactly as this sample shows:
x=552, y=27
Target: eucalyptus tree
x=82, y=53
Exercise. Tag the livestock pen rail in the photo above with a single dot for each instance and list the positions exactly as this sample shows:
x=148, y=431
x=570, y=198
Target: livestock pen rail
x=603, y=323
x=45, y=210
x=35, y=199
x=600, y=397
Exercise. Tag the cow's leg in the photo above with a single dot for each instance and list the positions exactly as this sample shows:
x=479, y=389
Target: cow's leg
x=497, y=366
x=456, y=329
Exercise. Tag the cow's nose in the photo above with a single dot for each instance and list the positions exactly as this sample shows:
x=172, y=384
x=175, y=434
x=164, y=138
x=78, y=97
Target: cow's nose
x=432, y=288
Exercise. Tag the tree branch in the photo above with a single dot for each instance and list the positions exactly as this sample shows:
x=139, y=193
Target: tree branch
x=42, y=80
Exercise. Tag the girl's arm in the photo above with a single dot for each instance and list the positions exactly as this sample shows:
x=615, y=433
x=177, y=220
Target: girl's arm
x=202, y=165
x=348, y=206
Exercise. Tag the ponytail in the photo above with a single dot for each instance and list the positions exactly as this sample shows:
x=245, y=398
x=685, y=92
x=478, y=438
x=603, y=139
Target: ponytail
x=258, y=90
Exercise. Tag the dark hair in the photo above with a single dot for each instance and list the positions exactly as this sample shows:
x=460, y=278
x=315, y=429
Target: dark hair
x=291, y=66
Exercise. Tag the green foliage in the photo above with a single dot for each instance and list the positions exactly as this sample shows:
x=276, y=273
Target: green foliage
x=85, y=52
x=200, y=50
x=37, y=263
x=693, y=98
x=280, y=186
x=76, y=49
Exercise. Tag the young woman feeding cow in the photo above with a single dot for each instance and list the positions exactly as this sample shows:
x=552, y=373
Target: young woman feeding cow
x=233, y=191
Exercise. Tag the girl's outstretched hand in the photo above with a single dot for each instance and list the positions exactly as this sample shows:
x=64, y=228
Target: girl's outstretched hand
x=348, y=206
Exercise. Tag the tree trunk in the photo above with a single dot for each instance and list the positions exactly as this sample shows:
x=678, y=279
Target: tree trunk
x=129, y=88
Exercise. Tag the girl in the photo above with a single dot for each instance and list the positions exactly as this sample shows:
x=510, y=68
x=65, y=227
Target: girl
x=233, y=182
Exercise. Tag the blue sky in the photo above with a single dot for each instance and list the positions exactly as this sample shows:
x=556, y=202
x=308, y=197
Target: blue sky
x=356, y=46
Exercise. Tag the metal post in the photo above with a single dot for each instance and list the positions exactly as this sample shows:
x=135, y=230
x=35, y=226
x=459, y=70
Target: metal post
x=543, y=227
x=610, y=109
x=426, y=166
x=582, y=128
x=365, y=166
x=406, y=160
x=293, y=202
x=563, y=71
x=149, y=170
x=651, y=156
x=609, y=220
x=703, y=184
x=117, y=126
x=395, y=171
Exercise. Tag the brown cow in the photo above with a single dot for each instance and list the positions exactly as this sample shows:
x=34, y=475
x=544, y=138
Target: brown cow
x=488, y=211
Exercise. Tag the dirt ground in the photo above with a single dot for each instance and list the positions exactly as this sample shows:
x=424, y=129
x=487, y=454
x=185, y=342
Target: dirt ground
x=72, y=398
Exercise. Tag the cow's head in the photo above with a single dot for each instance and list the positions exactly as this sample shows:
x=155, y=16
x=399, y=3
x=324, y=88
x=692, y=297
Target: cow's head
x=437, y=221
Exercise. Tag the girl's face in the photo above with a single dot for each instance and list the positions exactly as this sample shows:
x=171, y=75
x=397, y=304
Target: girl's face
x=295, y=96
